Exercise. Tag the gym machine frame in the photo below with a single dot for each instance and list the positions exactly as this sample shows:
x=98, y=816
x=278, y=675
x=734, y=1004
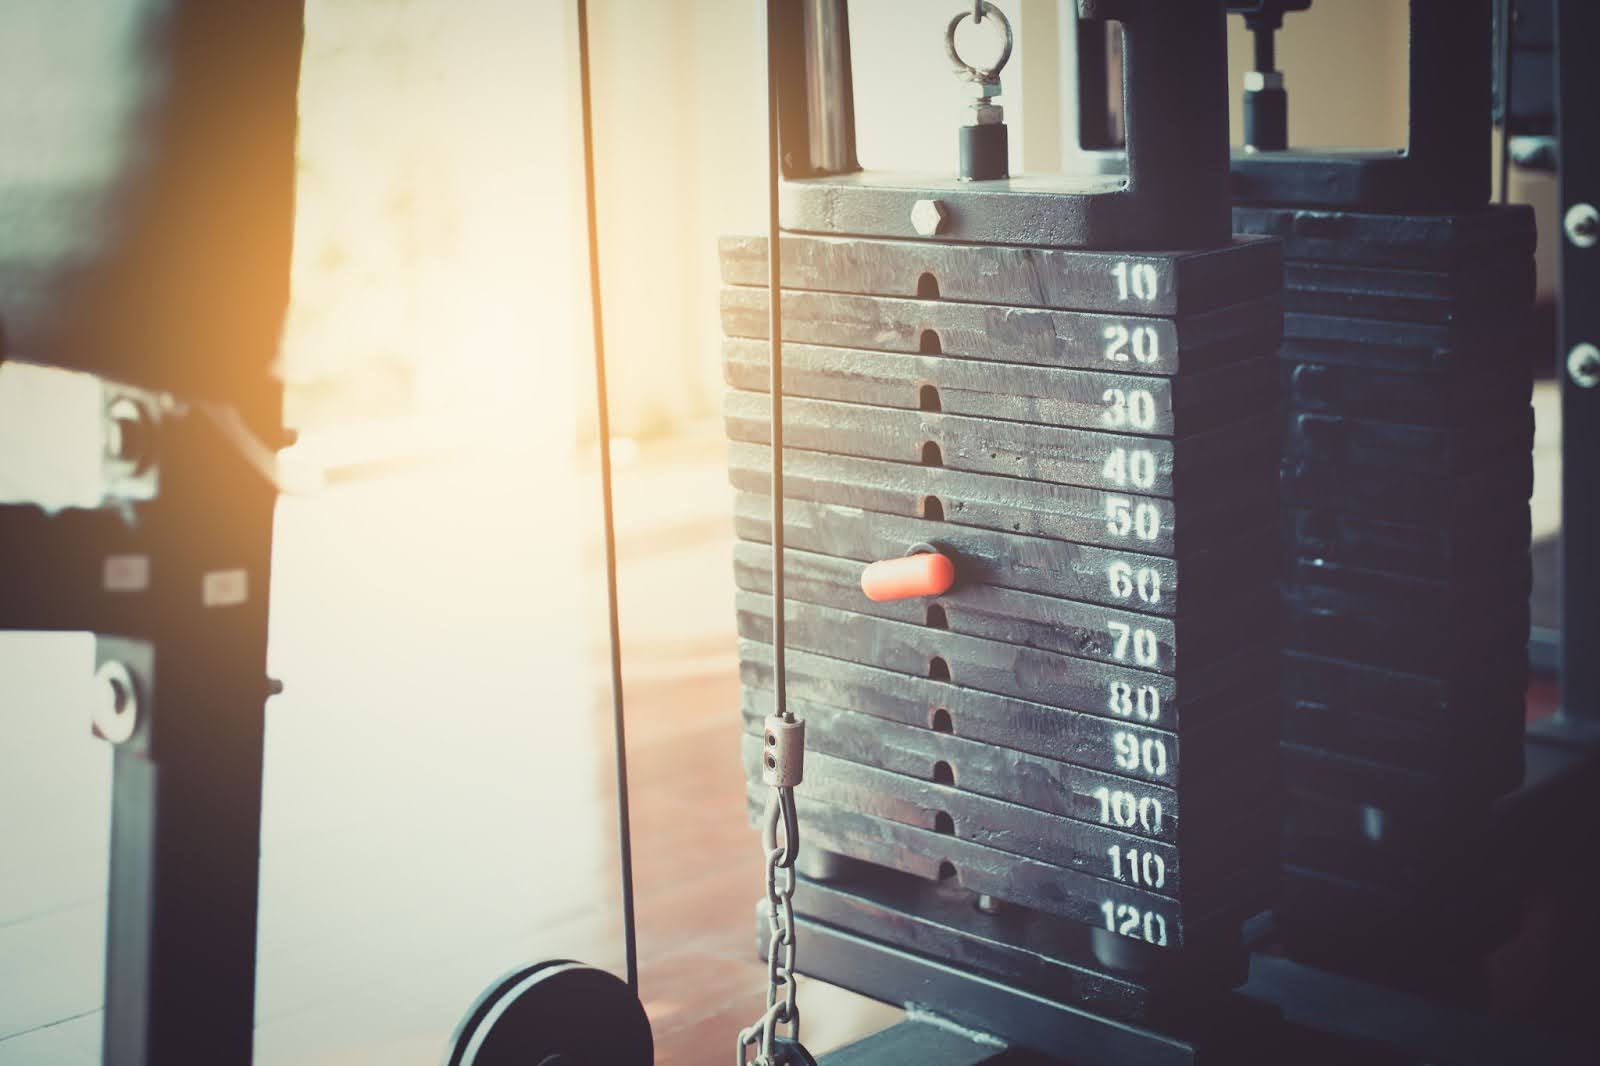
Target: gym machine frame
x=823, y=190
x=177, y=604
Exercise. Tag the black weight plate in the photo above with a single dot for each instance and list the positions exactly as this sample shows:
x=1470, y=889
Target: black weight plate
x=1343, y=685
x=1156, y=700
x=1084, y=399
x=1400, y=644
x=1395, y=930
x=1152, y=283
x=1133, y=343
x=1241, y=757
x=1206, y=874
x=1497, y=538
x=1196, y=758
x=1070, y=627
x=1442, y=242
x=554, y=1011
x=1469, y=745
x=1092, y=517
x=1035, y=951
x=1455, y=803
x=1407, y=497
x=1031, y=564
x=1482, y=291
x=1424, y=398
x=1375, y=845
x=1395, y=831
x=1182, y=469
x=938, y=772
x=1140, y=915
x=1415, y=872
x=1405, y=347
x=1436, y=603
x=1420, y=449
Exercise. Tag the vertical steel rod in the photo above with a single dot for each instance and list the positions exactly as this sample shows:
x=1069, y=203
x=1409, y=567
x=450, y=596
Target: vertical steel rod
x=608, y=519
x=830, y=91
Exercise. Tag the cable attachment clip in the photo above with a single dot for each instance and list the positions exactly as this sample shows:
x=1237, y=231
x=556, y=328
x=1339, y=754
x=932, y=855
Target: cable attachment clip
x=982, y=138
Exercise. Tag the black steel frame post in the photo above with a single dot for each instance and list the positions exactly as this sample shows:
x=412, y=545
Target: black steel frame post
x=175, y=590
x=186, y=818
x=1578, y=363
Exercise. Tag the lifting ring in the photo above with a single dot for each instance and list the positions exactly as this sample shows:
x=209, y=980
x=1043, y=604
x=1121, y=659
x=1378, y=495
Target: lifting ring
x=982, y=75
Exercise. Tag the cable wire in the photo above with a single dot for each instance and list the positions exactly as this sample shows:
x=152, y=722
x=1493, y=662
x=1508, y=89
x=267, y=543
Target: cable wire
x=608, y=518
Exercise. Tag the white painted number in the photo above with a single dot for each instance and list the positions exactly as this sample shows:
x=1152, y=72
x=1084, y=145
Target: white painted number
x=1133, y=408
x=1138, y=867
x=1136, y=279
x=1141, y=702
x=1145, y=648
x=1149, y=755
x=1123, y=466
x=1125, y=810
x=1125, y=581
x=1124, y=515
x=1130, y=921
x=1142, y=341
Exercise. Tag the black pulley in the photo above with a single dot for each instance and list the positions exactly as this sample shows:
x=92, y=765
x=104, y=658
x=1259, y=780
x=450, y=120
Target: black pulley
x=556, y=1013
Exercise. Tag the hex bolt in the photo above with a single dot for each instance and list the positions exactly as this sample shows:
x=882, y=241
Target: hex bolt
x=1582, y=223
x=116, y=709
x=1583, y=366
x=928, y=217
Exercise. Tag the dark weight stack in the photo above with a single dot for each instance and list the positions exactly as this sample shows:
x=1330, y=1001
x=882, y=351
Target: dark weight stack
x=1406, y=475
x=1081, y=728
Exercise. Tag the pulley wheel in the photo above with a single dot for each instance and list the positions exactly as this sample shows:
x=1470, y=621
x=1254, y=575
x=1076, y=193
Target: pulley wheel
x=556, y=1013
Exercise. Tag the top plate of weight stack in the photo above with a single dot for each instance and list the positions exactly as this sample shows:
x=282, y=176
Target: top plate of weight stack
x=1442, y=243
x=1444, y=165
x=1147, y=283
x=1173, y=195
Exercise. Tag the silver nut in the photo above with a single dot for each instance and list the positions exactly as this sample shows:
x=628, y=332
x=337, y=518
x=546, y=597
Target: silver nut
x=1582, y=223
x=1258, y=80
x=116, y=709
x=928, y=217
x=985, y=114
x=1583, y=366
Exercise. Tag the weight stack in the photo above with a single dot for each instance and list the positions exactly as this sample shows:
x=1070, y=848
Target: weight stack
x=1406, y=475
x=1079, y=735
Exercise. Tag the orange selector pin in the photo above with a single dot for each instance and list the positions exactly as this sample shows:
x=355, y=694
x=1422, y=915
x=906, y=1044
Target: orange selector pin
x=925, y=572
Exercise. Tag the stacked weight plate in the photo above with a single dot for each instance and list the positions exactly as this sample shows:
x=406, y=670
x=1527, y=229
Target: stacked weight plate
x=1083, y=729
x=1406, y=475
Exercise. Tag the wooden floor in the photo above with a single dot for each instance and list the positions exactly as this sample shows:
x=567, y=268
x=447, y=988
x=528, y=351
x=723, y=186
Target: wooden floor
x=439, y=800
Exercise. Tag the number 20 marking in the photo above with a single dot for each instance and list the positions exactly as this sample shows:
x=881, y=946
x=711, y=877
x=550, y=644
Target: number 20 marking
x=1144, y=342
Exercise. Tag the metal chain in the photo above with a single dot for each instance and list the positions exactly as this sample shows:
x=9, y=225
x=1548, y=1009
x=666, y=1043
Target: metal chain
x=784, y=738
x=780, y=836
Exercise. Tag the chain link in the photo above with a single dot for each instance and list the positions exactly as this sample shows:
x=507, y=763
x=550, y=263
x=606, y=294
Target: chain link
x=780, y=836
